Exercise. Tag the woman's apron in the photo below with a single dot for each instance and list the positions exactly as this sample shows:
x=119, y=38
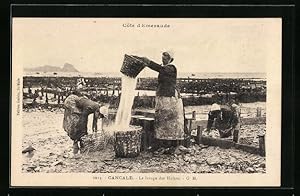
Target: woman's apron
x=169, y=118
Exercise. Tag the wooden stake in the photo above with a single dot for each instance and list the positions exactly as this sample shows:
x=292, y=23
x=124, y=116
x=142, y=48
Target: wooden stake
x=148, y=130
x=46, y=98
x=236, y=132
x=188, y=139
x=199, y=134
x=261, y=140
x=194, y=115
x=235, y=135
x=258, y=112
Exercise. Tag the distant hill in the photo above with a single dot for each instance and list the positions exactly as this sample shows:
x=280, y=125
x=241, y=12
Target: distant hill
x=50, y=68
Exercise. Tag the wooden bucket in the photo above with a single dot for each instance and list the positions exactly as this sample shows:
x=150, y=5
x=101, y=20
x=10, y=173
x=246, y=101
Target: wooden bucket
x=132, y=66
x=128, y=142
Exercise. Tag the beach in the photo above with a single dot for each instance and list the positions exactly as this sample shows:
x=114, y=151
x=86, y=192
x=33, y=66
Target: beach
x=42, y=128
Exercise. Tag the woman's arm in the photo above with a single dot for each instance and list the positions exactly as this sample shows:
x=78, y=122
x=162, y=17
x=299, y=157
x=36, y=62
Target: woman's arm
x=167, y=70
x=154, y=66
x=88, y=106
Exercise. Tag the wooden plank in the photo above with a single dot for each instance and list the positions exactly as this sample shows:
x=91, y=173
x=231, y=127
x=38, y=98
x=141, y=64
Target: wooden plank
x=222, y=143
x=149, y=114
x=247, y=148
x=136, y=120
x=226, y=144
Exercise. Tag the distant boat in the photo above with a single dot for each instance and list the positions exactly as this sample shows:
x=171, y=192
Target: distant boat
x=193, y=74
x=55, y=73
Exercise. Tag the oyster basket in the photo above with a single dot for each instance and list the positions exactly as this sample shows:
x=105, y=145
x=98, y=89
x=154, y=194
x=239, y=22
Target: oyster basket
x=93, y=142
x=128, y=143
x=132, y=66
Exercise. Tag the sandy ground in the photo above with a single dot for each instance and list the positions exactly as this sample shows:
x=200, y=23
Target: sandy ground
x=43, y=130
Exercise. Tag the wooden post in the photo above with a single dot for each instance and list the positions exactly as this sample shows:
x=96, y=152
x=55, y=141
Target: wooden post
x=113, y=91
x=153, y=102
x=236, y=132
x=46, y=98
x=148, y=130
x=188, y=138
x=258, y=112
x=199, y=134
x=194, y=115
x=190, y=126
x=261, y=140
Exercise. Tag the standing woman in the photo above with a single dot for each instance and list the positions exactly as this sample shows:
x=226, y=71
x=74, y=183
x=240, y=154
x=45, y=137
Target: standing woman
x=169, y=113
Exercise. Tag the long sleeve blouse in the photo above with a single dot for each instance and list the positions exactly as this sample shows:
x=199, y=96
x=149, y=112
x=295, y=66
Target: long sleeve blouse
x=166, y=79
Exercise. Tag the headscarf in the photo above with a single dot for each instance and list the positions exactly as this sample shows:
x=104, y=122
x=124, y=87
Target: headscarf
x=170, y=53
x=104, y=111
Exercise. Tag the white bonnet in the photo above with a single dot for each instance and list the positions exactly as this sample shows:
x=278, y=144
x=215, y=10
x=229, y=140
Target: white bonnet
x=215, y=107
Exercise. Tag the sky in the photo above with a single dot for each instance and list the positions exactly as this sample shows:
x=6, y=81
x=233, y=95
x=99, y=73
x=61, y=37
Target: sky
x=99, y=44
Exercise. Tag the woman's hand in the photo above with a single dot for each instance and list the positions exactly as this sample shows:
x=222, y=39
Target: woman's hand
x=146, y=60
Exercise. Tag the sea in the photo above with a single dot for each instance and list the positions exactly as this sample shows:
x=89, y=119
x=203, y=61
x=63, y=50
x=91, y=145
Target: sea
x=199, y=75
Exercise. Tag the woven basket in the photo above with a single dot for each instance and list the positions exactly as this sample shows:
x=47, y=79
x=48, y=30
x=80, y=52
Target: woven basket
x=128, y=142
x=132, y=66
x=93, y=142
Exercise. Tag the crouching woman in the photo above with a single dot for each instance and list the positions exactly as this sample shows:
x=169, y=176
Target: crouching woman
x=77, y=110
